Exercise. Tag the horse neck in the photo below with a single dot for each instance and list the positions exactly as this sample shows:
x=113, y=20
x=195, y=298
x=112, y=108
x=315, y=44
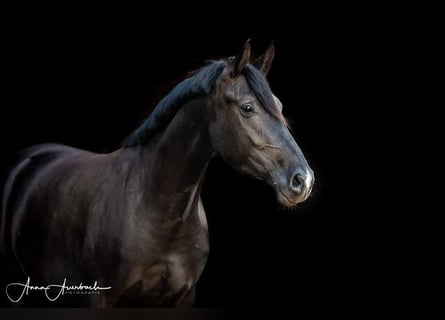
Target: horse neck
x=176, y=161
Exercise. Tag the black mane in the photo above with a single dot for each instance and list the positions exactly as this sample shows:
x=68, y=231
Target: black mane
x=199, y=84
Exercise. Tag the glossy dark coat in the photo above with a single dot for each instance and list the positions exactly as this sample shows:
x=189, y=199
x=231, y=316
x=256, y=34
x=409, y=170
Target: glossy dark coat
x=133, y=219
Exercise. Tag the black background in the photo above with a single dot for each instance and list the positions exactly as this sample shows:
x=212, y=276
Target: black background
x=87, y=78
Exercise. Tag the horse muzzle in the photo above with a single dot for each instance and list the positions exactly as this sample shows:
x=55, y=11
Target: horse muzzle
x=295, y=188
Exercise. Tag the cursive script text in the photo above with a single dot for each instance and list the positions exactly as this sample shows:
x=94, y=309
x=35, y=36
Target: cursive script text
x=52, y=291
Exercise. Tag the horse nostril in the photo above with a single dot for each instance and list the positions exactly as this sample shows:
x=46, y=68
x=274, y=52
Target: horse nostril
x=297, y=182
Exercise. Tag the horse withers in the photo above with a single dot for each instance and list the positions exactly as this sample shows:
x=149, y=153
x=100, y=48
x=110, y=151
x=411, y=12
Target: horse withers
x=132, y=222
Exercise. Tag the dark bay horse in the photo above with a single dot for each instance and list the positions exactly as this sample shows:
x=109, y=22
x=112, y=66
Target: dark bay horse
x=132, y=220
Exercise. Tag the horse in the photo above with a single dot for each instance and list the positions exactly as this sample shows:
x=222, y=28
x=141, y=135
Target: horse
x=132, y=221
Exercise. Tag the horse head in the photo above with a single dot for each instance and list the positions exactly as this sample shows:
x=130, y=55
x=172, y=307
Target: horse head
x=248, y=130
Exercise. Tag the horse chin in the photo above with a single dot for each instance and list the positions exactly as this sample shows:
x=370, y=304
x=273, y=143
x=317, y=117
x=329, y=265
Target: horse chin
x=284, y=201
x=287, y=201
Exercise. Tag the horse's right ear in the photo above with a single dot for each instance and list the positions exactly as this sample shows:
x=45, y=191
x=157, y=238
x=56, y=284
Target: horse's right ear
x=264, y=62
x=237, y=64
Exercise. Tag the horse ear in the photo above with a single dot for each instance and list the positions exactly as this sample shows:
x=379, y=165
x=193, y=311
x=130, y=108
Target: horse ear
x=239, y=62
x=264, y=62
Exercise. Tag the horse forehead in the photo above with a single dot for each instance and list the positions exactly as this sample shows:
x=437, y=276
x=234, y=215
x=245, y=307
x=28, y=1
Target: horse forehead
x=237, y=89
x=241, y=87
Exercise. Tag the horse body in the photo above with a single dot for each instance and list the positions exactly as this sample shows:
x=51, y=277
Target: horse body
x=133, y=219
x=106, y=232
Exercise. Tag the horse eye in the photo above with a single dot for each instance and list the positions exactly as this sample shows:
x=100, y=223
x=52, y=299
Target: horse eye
x=247, y=109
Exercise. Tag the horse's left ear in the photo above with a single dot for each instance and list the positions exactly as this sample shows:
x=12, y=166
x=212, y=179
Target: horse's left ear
x=238, y=63
x=264, y=62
